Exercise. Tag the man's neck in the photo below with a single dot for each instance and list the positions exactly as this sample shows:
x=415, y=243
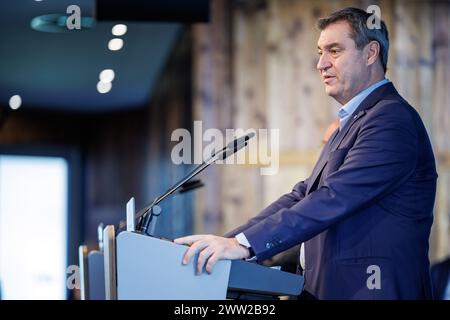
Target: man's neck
x=362, y=88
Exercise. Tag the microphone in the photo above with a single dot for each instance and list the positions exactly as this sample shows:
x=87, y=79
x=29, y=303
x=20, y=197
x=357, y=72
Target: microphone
x=236, y=145
x=241, y=140
x=191, y=185
x=149, y=217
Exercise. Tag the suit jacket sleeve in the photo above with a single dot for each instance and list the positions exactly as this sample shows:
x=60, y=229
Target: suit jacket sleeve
x=382, y=157
x=285, y=201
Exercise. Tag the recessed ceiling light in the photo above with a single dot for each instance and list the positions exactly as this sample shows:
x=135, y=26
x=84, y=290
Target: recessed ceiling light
x=15, y=102
x=107, y=75
x=119, y=30
x=104, y=87
x=115, y=44
x=57, y=23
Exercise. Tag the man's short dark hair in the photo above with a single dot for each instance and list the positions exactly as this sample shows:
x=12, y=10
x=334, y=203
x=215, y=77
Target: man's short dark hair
x=361, y=34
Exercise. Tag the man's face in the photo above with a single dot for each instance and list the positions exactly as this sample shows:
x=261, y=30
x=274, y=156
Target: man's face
x=342, y=66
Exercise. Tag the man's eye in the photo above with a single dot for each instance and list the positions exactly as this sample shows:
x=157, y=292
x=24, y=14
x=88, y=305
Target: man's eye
x=319, y=53
x=334, y=51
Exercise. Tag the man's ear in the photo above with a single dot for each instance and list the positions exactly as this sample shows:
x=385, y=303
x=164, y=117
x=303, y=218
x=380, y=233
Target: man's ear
x=373, y=51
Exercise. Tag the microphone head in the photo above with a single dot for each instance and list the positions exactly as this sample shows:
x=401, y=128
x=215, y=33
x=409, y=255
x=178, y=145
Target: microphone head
x=231, y=151
x=250, y=135
x=238, y=141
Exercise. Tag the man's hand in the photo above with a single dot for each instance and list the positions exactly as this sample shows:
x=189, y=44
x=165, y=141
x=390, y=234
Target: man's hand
x=212, y=249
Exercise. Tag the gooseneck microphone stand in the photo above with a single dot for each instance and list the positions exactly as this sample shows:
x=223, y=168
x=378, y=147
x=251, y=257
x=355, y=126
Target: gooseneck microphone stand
x=148, y=215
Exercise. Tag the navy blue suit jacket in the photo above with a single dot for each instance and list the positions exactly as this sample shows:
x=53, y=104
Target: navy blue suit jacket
x=368, y=202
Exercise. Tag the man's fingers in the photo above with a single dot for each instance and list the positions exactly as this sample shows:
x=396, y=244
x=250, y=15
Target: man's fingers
x=193, y=249
x=210, y=249
x=188, y=239
x=211, y=262
x=202, y=257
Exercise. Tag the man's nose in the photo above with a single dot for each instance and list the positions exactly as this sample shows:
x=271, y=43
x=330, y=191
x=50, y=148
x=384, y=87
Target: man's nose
x=323, y=63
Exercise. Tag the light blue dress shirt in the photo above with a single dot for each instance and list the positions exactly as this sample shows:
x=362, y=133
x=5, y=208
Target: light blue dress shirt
x=346, y=111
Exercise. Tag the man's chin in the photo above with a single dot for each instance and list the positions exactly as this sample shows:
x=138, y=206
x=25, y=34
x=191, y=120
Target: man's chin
x=329, y=91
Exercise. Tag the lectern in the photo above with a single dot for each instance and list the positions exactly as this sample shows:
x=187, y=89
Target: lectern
x=151, y=268
x=91, y=274
x=147, y=267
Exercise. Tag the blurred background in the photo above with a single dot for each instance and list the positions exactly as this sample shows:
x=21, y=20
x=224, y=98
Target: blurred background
x=77, y=143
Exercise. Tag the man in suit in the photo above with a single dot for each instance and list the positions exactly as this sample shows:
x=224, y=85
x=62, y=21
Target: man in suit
x=365, y=213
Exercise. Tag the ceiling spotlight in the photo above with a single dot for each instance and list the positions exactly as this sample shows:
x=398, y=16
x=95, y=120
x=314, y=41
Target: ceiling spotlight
x=104, y=87
x=119, y=30
x=57, y=23
x=115, y=44
x=107, y=75
x=15, y=102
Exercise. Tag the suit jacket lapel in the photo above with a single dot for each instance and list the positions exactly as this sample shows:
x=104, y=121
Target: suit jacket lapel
x=372, y=99
x=339, y=135
x=343, y=132
x=322, y=160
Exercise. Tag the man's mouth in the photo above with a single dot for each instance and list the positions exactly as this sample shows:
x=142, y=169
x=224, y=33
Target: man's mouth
x=327, y=79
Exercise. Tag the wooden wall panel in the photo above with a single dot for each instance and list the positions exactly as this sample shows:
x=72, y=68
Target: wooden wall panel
x=212, y=103
x=440, y=128
x=242, y=184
